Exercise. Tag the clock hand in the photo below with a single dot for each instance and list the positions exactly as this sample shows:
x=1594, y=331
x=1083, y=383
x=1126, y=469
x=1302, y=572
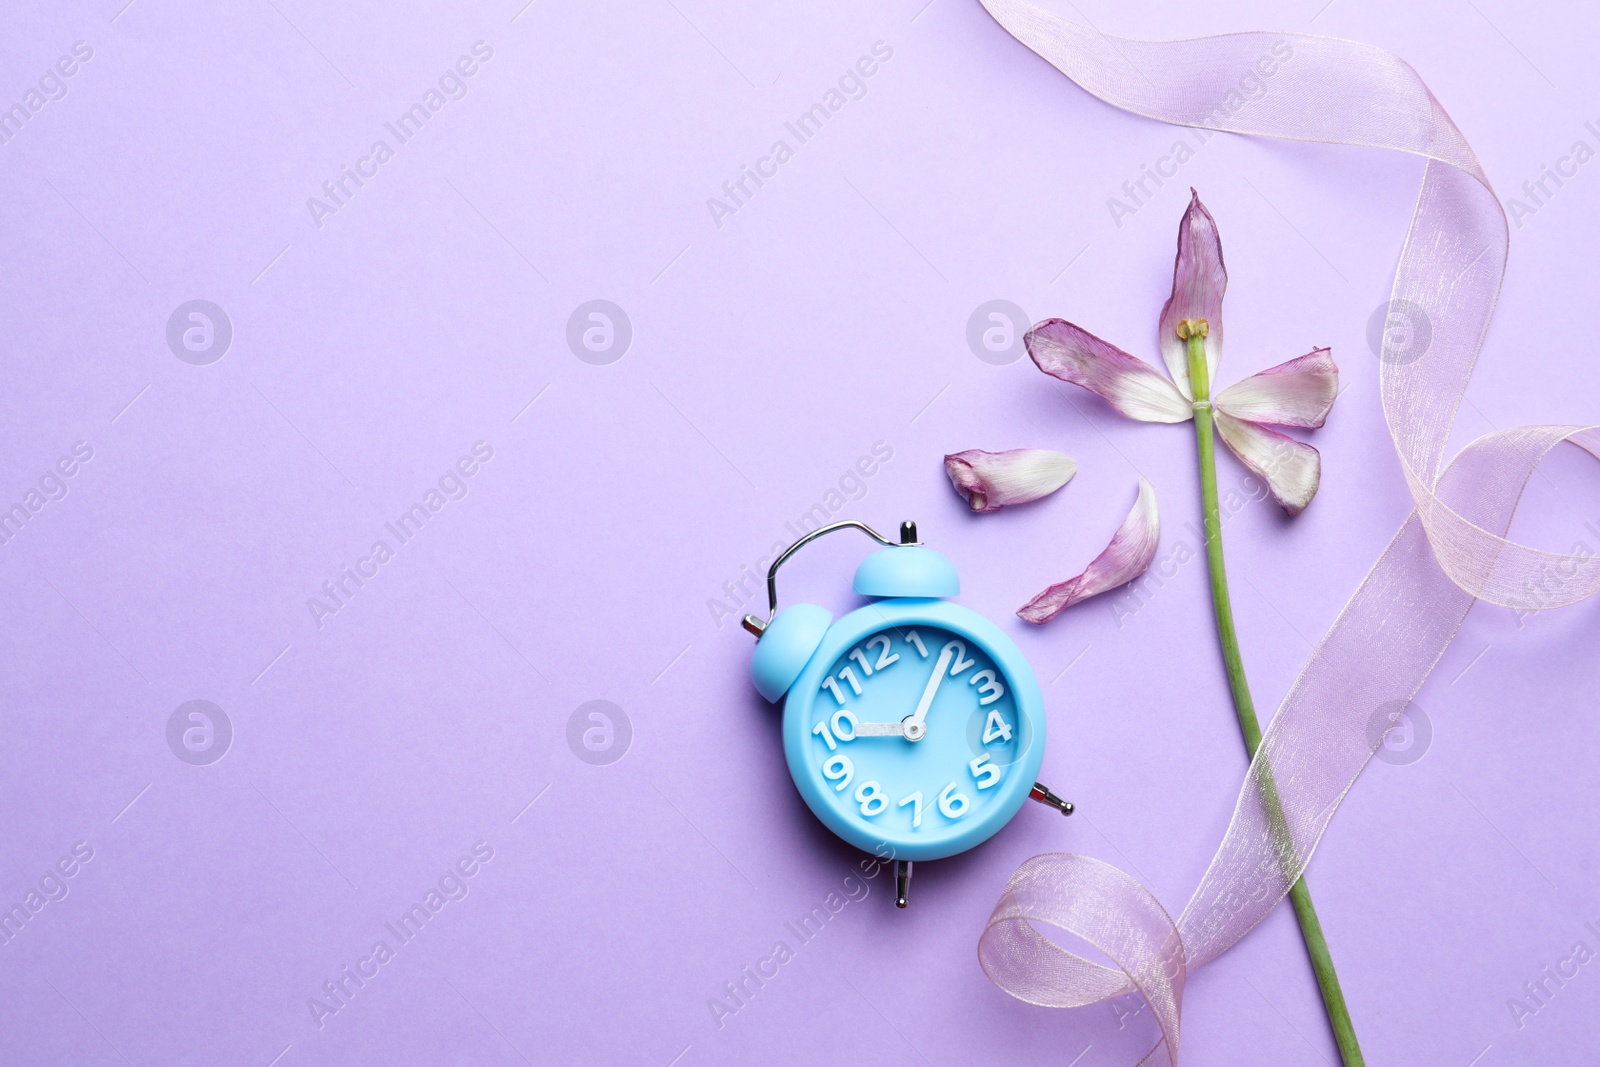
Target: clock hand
x=880, y=729
x=915, y=726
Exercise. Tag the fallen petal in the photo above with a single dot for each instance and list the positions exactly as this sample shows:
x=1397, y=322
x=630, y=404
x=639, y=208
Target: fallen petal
x=992, y=480
x=1124, y=559
x=1126, y=382
x=1297, y=393
x=1292, y=469
x=1198, y=281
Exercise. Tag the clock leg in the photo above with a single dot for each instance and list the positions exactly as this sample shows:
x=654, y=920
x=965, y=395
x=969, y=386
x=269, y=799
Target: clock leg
x=902, y=881
x=1042, y=794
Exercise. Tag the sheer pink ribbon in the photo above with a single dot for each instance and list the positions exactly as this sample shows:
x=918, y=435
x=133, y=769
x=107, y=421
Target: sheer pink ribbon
x=1450, y=551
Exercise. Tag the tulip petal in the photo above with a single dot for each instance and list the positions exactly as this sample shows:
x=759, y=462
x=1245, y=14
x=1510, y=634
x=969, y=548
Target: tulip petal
x=1292, y=469
x=1297, y=393
x=992, y=480
x=1126, y=382
x=1198, y=281
x=1124, y=559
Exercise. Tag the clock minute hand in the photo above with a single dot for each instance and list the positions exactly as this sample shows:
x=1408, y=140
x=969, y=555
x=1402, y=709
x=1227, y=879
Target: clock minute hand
x=915, y=725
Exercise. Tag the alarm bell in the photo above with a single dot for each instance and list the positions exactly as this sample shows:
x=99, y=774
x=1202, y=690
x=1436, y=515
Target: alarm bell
x=786, y=646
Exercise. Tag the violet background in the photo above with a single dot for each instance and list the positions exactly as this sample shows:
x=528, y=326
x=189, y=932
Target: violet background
x=768, y=355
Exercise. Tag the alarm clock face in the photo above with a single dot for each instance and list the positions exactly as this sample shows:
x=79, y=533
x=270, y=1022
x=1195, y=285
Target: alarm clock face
x=914, y=736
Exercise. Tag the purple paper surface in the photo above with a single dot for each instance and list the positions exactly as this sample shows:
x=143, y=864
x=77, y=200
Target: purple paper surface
x=391, y=350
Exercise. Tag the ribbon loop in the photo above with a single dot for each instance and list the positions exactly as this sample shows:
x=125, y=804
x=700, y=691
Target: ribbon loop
x=1095, y=901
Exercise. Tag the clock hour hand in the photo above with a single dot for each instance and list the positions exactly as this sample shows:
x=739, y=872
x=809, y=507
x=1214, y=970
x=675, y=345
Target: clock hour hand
x=880, y=729
x=915, y=725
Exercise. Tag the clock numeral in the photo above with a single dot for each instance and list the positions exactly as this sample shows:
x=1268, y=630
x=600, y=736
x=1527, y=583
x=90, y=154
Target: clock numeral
x=989, y=689
x=872, y=798
x=985, y=772
x=850, y=676
x=833, y=687
x=995, y=728
x=884, y=656
x=915, y=800
x=960, y=663
x=839, y=770
x=844, y=724
x=916, y=639
x=861, y=658
x=953, y=805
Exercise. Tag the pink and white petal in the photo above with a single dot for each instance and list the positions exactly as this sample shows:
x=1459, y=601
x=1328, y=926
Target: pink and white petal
x=1126, y=382
x=1124, y=559
x=993, y=480
x=1300, y=392
x=1199, y=279
x=1292, y=469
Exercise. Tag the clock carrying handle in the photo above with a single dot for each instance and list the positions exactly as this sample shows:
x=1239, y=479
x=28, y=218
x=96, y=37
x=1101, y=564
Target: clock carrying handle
x=908, y=536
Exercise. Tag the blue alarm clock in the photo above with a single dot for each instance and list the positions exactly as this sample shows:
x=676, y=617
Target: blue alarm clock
x=913, y=727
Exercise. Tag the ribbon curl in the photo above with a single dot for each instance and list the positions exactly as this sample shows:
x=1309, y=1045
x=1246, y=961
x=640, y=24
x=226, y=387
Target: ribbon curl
x=1451, y=550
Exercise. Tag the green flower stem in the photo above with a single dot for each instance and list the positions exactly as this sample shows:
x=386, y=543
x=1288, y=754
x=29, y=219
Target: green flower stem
x=1310, y=926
